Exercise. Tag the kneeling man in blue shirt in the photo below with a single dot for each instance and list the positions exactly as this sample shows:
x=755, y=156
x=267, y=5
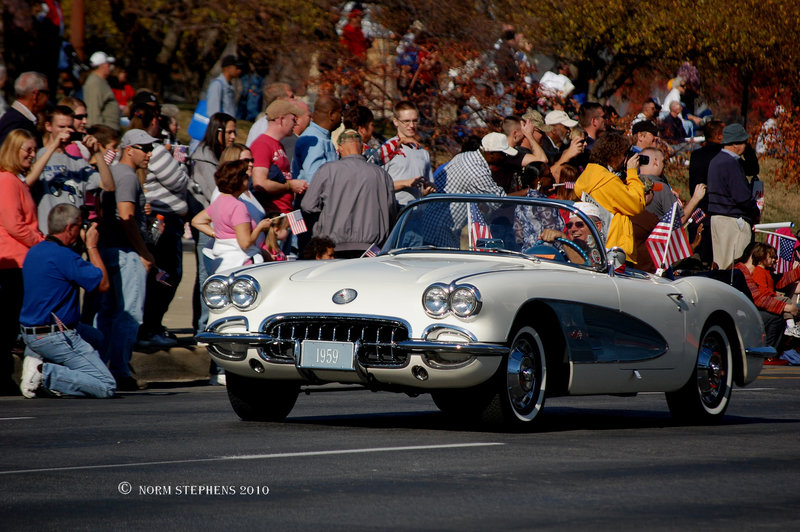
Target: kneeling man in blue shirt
x=61, y=356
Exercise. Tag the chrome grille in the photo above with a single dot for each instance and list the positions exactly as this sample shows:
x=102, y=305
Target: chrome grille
x=376, y=339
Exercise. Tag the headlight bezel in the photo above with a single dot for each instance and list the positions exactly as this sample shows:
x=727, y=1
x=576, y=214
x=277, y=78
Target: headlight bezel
x=253, y=286
x=447, y=293
x=222, y=290
x=444, y=291
x=472, y=294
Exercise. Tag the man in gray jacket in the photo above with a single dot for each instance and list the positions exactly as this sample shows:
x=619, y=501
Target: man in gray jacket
x=354, y=198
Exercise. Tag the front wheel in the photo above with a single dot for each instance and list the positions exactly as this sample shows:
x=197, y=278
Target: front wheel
x=520, y=383
x=705, y=397
x=259, y=399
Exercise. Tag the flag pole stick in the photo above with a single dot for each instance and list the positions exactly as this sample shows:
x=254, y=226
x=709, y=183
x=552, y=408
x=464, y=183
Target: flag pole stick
x=661, y=269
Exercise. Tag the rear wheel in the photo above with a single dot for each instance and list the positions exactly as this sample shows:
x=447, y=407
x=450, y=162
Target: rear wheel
x=259, y=399
x=705, y=397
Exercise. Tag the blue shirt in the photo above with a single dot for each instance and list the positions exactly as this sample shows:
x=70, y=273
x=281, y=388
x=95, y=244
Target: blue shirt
x=53, y=275
x=313, y=149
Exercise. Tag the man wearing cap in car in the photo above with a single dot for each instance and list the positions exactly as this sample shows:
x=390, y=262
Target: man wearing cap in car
x=101, y=106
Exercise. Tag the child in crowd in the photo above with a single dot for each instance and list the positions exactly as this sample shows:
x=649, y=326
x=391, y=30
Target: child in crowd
x=319, y=248
x=279, y=230
x=764, y=259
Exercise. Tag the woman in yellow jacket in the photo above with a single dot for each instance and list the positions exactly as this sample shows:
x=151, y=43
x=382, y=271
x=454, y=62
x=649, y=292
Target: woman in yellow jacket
x=623, y=198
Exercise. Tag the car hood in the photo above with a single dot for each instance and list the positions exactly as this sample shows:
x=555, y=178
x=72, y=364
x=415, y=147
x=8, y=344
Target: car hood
x=407, y=270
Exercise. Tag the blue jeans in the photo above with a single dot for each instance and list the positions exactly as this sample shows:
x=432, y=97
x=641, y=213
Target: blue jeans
x=200, y=308
x=122, y=307
x=72, y=365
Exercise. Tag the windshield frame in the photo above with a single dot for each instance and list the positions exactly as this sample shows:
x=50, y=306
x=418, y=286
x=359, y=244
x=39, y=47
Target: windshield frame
x=405, y=215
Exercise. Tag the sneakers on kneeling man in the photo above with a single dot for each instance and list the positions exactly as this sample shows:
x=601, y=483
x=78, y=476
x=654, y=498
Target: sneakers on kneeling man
x=31, y=378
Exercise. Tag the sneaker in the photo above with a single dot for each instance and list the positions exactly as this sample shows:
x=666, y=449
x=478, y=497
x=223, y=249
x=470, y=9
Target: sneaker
x=218, y=379
x=794, y=330
x=31, y=378
x=157, y=341
x=776, y=362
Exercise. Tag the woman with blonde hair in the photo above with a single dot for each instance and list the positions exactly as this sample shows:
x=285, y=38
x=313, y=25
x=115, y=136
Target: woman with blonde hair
x=19, y=231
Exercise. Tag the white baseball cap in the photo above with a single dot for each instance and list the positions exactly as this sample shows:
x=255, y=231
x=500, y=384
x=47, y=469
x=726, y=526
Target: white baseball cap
x=559, y=117
x=99, y=58
x=497, y=142
x=589, y=209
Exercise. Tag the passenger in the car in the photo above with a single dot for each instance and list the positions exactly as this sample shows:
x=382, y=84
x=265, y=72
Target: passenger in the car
x=578, y=233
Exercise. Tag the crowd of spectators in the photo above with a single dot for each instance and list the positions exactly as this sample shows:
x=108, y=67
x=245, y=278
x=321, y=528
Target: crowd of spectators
x=114, y=156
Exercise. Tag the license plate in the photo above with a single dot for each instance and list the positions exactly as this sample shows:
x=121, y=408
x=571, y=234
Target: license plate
x=315, y=354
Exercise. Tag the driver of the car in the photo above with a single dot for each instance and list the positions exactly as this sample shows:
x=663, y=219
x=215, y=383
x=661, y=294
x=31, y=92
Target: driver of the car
x=579, y=233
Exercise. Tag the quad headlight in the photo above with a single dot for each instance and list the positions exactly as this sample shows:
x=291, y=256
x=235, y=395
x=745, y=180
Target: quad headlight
x=215, y=293
x=464, y=301
x=436, y=300
x=220, y=292
x=244, y=292
x=440, y=299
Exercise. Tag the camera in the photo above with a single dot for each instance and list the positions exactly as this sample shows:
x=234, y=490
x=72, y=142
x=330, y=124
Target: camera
x=76, y=136
x=644, y=159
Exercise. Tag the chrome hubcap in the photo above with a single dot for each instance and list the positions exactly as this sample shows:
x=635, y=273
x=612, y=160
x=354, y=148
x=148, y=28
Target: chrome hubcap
x=521, y=376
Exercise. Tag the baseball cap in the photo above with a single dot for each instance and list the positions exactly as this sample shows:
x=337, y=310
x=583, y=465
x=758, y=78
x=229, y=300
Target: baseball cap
x=559, y=117
x=538, y=121
x=497, y=142
x=589, y=209
x=350, y=134
x=99, y=58
x=136, y=136
x=145, y=97
x=644, y=126
x=282, y=107
x=229, y=60
x=650, y=185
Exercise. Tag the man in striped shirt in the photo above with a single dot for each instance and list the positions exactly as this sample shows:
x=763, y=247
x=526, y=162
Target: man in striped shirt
x=165, y=191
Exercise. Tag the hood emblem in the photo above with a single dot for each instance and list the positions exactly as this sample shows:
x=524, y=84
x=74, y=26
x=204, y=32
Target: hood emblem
x=344, y=296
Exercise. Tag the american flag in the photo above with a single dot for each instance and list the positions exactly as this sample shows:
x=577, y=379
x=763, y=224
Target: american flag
x=372, y=251
x=661, y=234
x=478, y=226
x=698, y=215
x=785, y=246
x=296, y=222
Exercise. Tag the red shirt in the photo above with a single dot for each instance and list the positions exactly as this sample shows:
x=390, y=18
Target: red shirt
x=267, y=152
x=353, y=39
x=19, y=226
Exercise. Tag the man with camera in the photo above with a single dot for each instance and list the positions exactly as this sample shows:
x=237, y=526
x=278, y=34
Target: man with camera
x=67, y=178
x=61, y=355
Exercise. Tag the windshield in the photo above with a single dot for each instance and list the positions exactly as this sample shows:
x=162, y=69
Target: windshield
x=540, y=228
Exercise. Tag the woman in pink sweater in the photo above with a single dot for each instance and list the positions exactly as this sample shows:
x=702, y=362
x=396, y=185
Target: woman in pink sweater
x=19, y=231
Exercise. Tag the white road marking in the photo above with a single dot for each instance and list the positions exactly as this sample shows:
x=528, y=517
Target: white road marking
x=15, y=418
x=256, y=457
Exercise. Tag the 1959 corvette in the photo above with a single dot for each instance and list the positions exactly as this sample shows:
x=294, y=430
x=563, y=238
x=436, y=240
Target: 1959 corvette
x=489, y=304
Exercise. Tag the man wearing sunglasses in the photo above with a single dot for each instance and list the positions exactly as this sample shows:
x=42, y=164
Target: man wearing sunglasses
x=578, y=232
x=122, y=246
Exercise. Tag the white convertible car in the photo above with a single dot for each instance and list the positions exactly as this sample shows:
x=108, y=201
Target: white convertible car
x=489, y=304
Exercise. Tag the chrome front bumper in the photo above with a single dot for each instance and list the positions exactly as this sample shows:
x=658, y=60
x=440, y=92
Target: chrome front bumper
x=252, y=339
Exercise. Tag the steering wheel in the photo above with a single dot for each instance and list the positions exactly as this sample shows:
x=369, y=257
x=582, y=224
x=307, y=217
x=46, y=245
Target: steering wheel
x=576, y=247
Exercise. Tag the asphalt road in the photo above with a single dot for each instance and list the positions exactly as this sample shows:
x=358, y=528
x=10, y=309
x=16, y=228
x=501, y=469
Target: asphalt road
x=179, y=459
